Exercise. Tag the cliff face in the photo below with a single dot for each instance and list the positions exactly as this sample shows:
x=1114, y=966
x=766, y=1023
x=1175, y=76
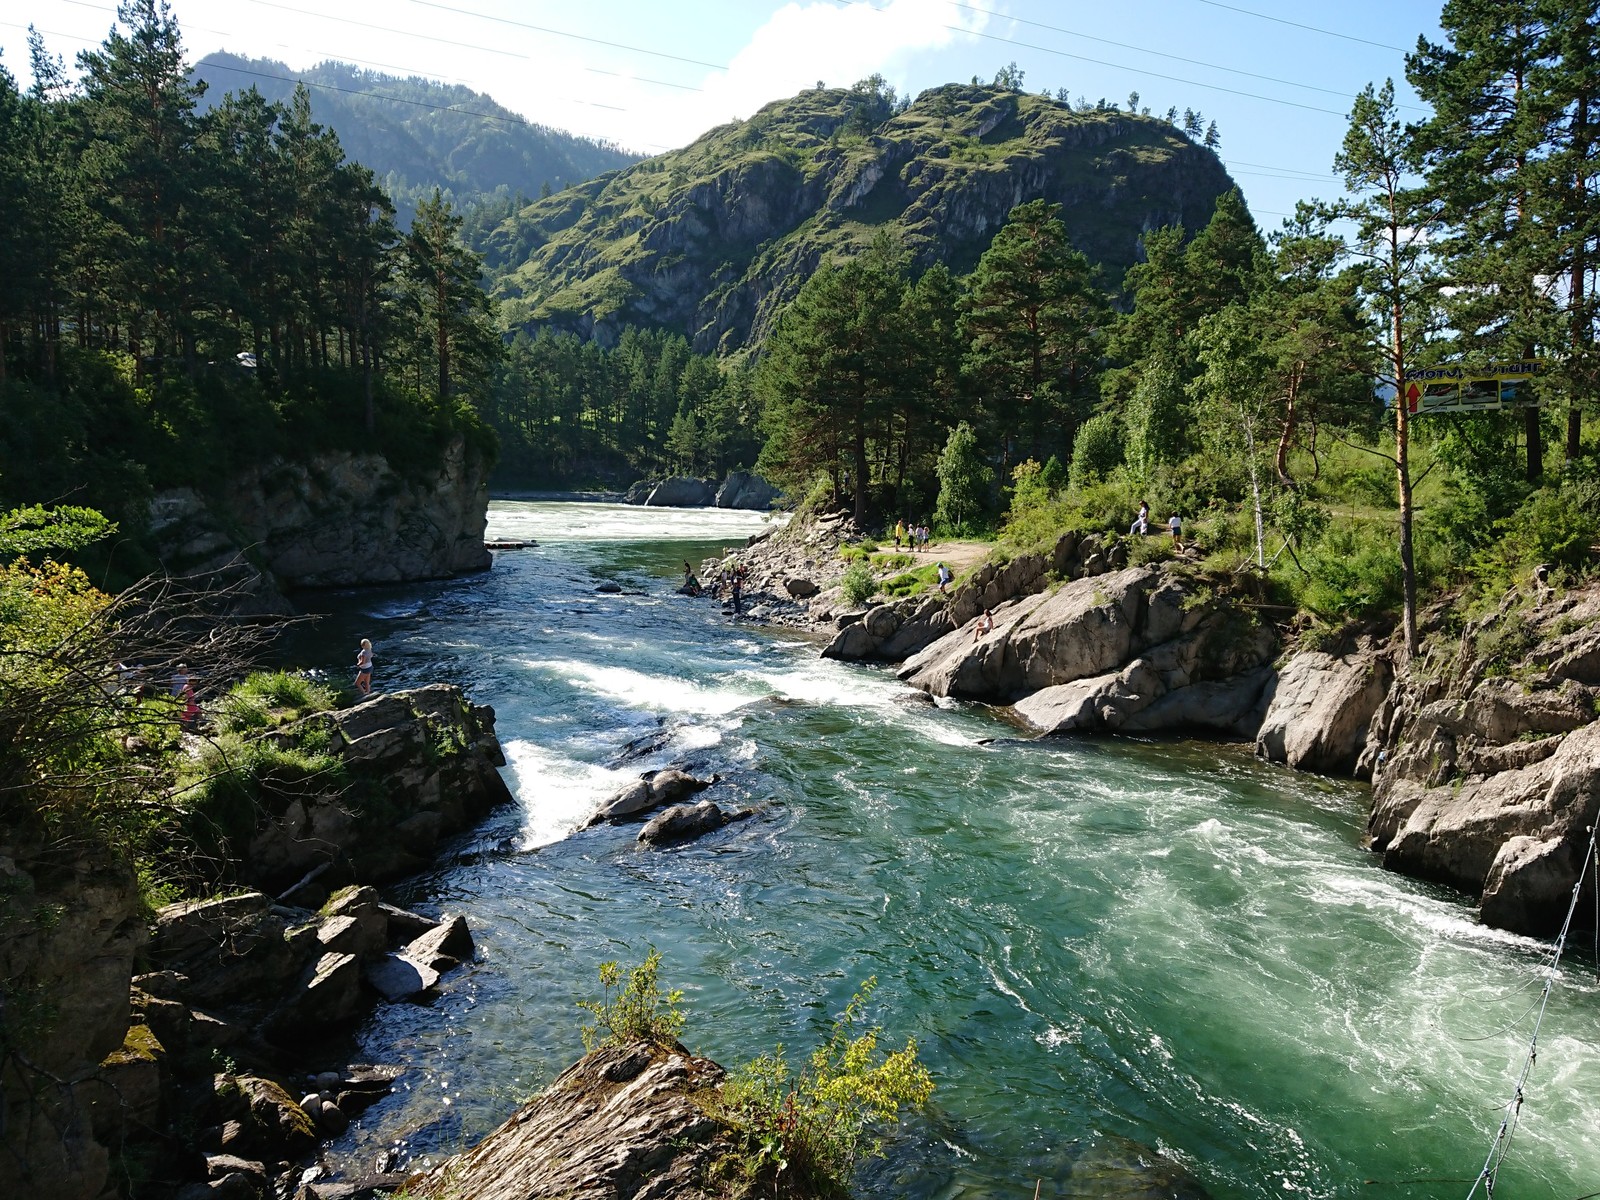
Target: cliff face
x=1485, y=759
x=334, y=520
x=713, y=240
x=68, y=936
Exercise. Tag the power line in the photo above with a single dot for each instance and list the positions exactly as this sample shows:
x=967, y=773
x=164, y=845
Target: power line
x=390, y=29
x=1195, y=62
x=1100, y=62
x=1500, y=1145
x=575, y=36
x=1311, y=28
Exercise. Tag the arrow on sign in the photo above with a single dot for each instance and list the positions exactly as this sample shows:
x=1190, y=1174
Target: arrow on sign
x=1413, y=393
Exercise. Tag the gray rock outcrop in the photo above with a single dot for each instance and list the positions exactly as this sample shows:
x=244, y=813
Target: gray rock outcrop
x=331, y=520
x=1485, y=759
x=741, y=489
x=434, y=754
x=623, y=1123
x=682, y=492
x=1137, y=650
x=1320, y=707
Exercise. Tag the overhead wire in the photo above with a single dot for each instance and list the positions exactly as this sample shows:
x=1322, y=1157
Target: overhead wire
x=1349, y=37
x=1500, y=1144
x=1215, y=87
x=1195, y=62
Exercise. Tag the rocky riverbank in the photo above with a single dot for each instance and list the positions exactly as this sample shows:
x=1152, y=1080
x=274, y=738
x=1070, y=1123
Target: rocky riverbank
x=201, y=1042
x=1483, y=752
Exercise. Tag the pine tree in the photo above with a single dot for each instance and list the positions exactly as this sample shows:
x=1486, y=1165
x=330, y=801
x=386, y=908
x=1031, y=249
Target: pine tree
x=443, y=275
x=1393, y=224
x=1033, y=319
x=831, y=369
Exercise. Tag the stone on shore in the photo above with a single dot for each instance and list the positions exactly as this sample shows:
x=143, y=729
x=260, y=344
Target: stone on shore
x=621, y=1122
x=1320, y=709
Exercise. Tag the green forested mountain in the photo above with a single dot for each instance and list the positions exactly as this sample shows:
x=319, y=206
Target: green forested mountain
x=415, y=134
x=713, y=240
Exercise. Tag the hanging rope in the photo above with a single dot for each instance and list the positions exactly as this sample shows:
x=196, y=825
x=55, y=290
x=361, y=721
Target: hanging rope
x=1501, y=1145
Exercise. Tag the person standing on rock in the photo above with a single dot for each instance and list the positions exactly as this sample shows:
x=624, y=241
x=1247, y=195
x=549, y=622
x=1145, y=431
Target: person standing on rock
x=945, y=576
x=364, y=668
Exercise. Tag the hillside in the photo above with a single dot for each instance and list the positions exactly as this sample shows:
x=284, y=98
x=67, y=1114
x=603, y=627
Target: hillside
x=714, y=239
x=416, y=134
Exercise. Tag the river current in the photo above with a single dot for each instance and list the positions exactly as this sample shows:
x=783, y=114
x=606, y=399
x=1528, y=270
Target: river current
x=1095, y=943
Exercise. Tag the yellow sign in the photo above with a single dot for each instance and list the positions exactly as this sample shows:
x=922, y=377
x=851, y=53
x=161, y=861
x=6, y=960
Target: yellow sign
x=1471, y=389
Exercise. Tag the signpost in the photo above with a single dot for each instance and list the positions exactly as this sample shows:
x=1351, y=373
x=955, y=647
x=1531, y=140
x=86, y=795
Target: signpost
x=1471, y=389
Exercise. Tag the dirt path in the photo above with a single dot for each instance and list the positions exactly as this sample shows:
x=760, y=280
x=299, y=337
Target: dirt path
x=958, y=556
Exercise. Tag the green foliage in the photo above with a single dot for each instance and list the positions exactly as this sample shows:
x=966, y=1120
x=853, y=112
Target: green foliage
x=910, y=583
x=1096, y=451
x=237, y=777
x=803, y=1134
x=1155, y=419
x=964, y=480
x=633, y=1008
x=1354, y=571
x=858, y=584
x=267, y=700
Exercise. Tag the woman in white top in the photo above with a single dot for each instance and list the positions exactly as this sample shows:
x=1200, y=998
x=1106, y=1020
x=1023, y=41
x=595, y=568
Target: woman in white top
x=364, y=668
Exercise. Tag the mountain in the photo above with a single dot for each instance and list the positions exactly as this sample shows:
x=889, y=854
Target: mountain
x=714, y=239
x=416, y=134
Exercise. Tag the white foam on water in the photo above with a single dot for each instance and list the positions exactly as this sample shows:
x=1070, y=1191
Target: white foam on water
x=651, y=693
x=557, y=792
x=587, y=521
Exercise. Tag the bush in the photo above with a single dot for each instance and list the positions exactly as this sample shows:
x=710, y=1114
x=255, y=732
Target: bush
x=803, y=1135
x=1096, y=451
x=633, y=1010
x=858, y=585
x=1354, y=571
x=964, y=481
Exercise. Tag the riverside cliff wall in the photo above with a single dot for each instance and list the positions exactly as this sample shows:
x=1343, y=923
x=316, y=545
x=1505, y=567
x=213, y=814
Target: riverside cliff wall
x=114, y=1018
x=332, y=520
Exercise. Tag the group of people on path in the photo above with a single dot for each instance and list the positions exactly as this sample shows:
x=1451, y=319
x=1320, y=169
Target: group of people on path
x=915, y=536
x=1141, y=525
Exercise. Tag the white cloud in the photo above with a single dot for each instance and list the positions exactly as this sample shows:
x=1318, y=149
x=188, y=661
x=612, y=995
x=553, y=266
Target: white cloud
x=802, y=42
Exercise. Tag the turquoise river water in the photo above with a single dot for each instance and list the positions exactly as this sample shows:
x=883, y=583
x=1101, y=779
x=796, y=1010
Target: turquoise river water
x=1093, y=942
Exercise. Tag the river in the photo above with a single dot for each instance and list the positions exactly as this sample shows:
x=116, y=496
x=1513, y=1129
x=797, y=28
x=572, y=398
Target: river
x=1160, y=941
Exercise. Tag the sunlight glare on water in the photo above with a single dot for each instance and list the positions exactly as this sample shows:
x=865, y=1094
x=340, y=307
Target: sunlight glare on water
x=1096, y=943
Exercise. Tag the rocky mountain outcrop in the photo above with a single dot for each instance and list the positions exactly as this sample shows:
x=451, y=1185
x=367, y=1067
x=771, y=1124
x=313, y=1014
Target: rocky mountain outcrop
x=713, y=240
x=1485, y=759
x=332, y=520
x=623, y=1123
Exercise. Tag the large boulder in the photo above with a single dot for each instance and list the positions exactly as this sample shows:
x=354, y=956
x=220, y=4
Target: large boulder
x=682, y=492
x=623, y=1123
x=682, y=823
x=1320, y=708
x=744, y=490
x=653, y=790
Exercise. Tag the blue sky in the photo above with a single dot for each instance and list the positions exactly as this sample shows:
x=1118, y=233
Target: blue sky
x=650, y=75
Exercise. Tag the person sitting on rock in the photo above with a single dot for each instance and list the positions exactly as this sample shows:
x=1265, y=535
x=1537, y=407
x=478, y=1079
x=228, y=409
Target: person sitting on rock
x=983, y=626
